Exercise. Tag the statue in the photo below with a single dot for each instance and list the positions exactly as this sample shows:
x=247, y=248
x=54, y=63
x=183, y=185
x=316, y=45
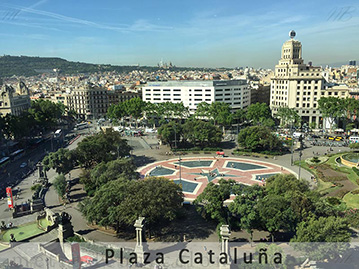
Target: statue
x=12, y=238
x=64, y=218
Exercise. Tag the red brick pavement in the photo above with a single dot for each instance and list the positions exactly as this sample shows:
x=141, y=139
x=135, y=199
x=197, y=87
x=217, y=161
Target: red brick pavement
x=245, y=176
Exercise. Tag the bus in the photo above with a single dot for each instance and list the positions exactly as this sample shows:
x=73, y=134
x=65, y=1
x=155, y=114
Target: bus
x=354, y=139
x=58, y=133
x=81, y=126
x=17, y=154
x=4, y=161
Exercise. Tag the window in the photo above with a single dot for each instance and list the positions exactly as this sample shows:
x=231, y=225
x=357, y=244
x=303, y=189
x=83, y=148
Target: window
x=198, y=90
x=177, y=94
x=166, y=90
x=177, y=90
x=156, y=99
x=148, y=94
x=167, y=99
x=177, y=99
x=208, y=90
x=198, y=94
x=198, y=99
x=166, y=94
x=156, y=90
x=208, y=100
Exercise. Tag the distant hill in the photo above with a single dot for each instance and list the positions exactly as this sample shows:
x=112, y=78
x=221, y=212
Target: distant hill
x=31, y=66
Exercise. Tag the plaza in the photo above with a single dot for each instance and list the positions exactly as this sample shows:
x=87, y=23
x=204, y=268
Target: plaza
x=194, y=173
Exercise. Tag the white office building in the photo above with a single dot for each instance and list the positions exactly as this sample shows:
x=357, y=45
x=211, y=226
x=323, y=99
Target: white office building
x=233, y=92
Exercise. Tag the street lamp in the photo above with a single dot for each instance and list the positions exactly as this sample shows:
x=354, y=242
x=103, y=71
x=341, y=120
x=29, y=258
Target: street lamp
x=179, y=159
x=300, y=159
x=292, y=143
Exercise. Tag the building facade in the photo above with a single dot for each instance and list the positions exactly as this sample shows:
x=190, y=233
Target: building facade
x=233, y=92
x=14, y=100
x=300, y=86
x=92, y=102
x=89, y=101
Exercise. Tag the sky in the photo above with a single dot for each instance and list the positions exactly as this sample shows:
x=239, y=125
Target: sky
x=192, y=33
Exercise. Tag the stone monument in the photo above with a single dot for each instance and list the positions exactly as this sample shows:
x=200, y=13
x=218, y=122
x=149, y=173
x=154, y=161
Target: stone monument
x=65, y=228
x=225, y=233
x=140, y=238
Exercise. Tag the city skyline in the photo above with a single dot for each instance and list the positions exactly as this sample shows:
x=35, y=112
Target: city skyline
x=187, y=34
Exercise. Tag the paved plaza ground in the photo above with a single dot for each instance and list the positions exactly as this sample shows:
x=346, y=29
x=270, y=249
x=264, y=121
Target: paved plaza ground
x=194, y=173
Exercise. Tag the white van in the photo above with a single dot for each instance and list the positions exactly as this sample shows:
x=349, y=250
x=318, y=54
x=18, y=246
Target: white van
x=297, y=135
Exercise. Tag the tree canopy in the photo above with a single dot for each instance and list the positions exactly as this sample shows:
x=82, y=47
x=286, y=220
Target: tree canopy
x=101, y=147
x=258, y=113
x=258, y=138
x=63, y=161
x=121, y=202
x=108, y=171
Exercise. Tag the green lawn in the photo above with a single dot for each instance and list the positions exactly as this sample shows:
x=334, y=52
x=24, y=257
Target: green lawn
x=2, y=247
x=44, y=223
x=22, y=232
x=352, y=200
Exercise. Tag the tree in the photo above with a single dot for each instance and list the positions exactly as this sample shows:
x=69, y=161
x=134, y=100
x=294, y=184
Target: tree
x=281, y=184
x=63, y=161
x=116, y=111
x=240, y=116
x=332, y=230
x=258, y=112
x=60, y=185
x=121, y=202
x=102, y=147
x=218, y=112
x=276, y=214
x=202, y=133
x=102, y=209
x=323, y=229
x=210, y=201
x=288, y=116
x=170, y=132
x=332, y=108
x=245, y=208
x=156, y=198
x=46, y=113
x=257, y=138
x=134, y=107
x=105, y=172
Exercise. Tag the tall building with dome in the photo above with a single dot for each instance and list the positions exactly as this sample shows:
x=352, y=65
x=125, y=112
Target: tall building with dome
x=295, y=84
x=298, y=85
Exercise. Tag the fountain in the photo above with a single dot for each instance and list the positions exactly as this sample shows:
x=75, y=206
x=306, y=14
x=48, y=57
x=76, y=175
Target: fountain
x=350, y=159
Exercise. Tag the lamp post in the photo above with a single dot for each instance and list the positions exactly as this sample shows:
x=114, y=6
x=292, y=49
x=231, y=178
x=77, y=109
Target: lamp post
x=300, y=159
x=179, y=159
x=292, y=143
x=174, y=128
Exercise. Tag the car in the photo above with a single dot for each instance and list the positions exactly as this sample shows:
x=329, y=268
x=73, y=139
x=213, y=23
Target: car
x=23, y=165
x=315, y=136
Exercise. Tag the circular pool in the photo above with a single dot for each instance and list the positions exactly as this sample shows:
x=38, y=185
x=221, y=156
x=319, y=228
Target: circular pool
x=350, y=159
